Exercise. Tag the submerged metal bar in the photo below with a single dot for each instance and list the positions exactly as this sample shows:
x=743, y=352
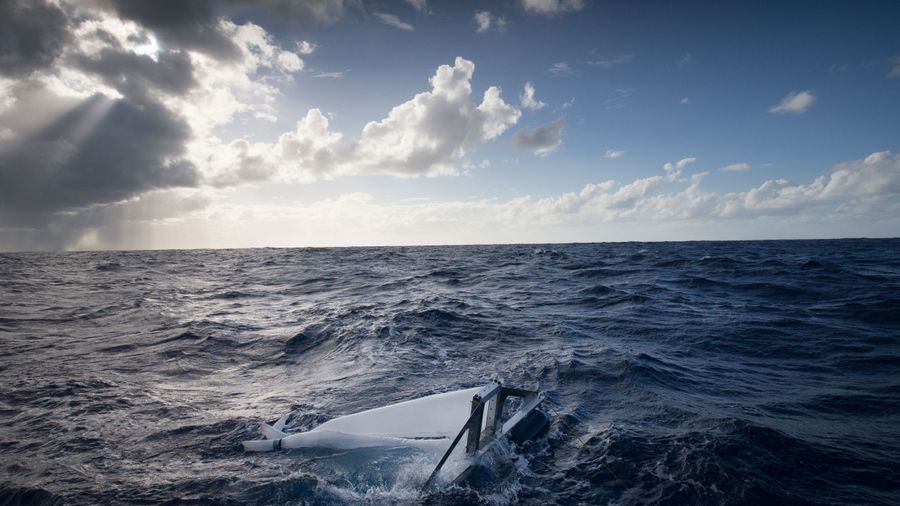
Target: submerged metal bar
x=455, y=442
x=493, y=396
x=485, y=395
x=474, y=439
x=528, y=404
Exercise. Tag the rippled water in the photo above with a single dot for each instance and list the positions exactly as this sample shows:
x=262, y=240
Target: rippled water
x=709, y=372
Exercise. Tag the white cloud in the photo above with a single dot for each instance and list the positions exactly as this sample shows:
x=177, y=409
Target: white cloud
x=552, y=7
x=237, y=162
x=736, y=167
x=796, y=102
x=310, y=146
x=606, y=63
x=306, y=47
x=561, y=69
x=676, y=168
x=614, y=153
x=659, y=198
x=568, y=103
x=289, y=62
x=484, y=20
x=541, y=140
x=248, y=86
x=421, y=6
x=329, y=75
x=432, y=134
x=684, y=60
x=860, y=190
x=526, y=98
x=392, y=20
x=216, y=93
x=876, y=176
x=895, y=67
x=685, y=100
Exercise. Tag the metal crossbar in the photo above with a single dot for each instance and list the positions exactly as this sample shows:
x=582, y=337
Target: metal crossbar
x=490, y=398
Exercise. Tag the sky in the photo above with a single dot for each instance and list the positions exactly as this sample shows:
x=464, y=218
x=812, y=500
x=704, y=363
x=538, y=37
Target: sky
x=131, y=124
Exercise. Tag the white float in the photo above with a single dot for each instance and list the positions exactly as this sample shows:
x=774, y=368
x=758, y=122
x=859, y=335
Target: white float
x=435, y=424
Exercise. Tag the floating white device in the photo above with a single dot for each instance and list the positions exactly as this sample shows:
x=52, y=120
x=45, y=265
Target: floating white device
x=428, y=423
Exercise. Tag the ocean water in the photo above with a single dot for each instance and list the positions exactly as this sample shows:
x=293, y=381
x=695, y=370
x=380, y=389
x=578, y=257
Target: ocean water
x=679, y=373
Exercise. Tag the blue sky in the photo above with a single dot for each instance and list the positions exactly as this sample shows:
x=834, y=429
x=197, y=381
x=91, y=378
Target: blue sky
x=797, y=102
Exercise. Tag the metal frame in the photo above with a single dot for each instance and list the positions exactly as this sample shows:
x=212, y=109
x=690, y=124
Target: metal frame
x=490, y=399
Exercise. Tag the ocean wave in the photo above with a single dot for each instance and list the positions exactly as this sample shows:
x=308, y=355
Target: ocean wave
x=701, y=373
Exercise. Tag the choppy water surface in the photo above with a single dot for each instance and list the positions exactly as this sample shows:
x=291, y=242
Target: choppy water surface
x=740, y=372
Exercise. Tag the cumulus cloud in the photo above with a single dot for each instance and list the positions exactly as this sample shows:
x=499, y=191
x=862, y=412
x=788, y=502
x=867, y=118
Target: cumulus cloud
x=736, y=167
x=306, y=47
x=527, y=100
x=796, y=102
x=851, y=191
x=307, y=153
x=484, y=20
x=668, y=198
x=289, y=62
x=431, y=134
x=247, y=86
x=311, y=145
x=614, y=153
x=238, y=162
x=392, y=20
x=540, y=140
x=435, y=130
x=876, y=176
x=552, y=7
x=671, y=197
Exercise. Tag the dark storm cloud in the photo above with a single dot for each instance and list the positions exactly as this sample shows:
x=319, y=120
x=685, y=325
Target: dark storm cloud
x=122, y=222
x=194, y=24
x=100, y=150
x=32, y=35
x=72, y=164
x=135, y=75
x=179, y=24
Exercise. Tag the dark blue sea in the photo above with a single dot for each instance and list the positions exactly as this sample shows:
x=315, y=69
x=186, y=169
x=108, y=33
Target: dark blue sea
x=676, y=373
